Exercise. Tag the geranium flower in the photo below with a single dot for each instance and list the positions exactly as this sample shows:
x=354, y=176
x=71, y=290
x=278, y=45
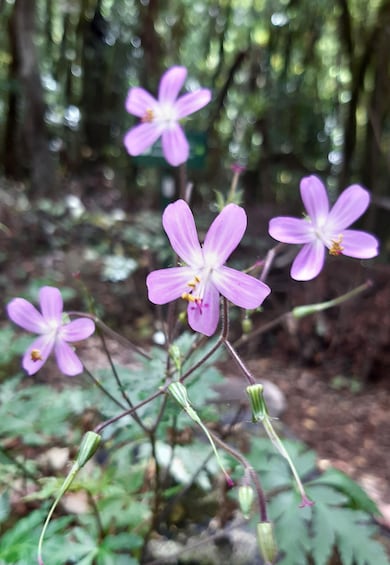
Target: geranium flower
x=53, y=332
x=323, y=228
x=161, y=117
x=204, y=276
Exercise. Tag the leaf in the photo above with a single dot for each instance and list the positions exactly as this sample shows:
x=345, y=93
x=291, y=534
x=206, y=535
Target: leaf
x=355, y=543
x=324, y=535
x=5, y=507
x=20, y=543
x=357, y=496
x=291, y=527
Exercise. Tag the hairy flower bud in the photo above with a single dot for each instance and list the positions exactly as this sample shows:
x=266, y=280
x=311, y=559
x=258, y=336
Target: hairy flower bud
x=257, y=402
x=245, y=498
x=88, y=447
x=266, y=541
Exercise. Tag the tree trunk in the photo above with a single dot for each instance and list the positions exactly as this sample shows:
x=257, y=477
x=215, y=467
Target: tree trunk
x=26, y=124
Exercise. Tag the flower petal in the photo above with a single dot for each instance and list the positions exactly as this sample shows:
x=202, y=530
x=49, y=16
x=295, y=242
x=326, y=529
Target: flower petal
x=180, y=228
x=77, y=330
x=241, y=289
x=204, y=318
x=309, y=261
x=192, y=102
x=315, y=199
x=66, y=358
x=141, y=137
x=51, y=303
x=166, y=285
x=291, y=230
x=224, y=234
x=359, y=244
x=44, y=344
x=171, y=83
x=138, y=101
x=349, y=206
x=175, y=145
x=25, y=315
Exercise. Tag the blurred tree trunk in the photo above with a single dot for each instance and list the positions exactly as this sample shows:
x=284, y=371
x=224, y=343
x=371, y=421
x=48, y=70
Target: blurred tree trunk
x=376, y=159
x=96, y=113
x=26, y=137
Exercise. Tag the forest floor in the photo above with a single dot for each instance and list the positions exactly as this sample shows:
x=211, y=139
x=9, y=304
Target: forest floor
x=333, y=368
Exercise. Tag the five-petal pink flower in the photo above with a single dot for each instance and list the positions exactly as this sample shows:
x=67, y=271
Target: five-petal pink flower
x=204, y=276
x=325, y=228
x=53, y=332
x=160, y=118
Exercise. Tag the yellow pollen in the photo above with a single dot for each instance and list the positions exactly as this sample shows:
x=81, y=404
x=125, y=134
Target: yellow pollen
x=148, y=117
x=336, y=247
x=194, y=282
x=187, y=296
x=36, y=355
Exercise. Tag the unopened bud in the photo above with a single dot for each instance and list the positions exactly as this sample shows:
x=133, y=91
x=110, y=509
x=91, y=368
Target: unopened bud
x=179, y=393
x=88, y=447
x=175, y=354
x=247, y=325
x=182, y=317
x=245, y=498
x=257, y=402
x=266, y=541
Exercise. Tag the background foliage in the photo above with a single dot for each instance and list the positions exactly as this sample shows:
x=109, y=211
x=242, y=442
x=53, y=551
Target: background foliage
x=299, y=86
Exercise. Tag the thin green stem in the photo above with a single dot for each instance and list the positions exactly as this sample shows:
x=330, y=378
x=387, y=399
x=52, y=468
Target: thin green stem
x=119, y=382
x=245, y=463
x=118, y=337
x=250, y=378
x=103, y=389
x=98, y=429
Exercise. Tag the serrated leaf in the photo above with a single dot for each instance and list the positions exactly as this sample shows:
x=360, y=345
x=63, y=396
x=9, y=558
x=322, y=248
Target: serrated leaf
x=354, y=538
x=358, y=497
x=324, y=535
x=290, y=527
x=326, y=495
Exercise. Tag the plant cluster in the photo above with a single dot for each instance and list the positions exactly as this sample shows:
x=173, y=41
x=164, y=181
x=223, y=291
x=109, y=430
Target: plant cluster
x=138, y=422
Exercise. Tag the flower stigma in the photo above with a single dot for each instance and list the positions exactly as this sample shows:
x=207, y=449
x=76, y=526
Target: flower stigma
x=190, y=297
x=336, y=248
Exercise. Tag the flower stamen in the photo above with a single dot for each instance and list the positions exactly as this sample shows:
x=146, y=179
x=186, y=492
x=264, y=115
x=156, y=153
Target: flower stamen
x=148, y=117
x=336, y=248
x=36, y=355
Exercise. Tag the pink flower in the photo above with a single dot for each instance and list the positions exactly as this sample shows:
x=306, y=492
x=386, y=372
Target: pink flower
x=323, y=228
x=53, y=332
x=160, y=118
x=205, y=277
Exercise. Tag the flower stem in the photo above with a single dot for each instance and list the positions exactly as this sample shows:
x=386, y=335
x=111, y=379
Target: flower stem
x=103, y=388
x=118, y=337
x=250, y=378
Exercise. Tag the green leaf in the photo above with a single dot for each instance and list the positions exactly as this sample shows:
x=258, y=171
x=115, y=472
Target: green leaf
x=355, y=544
x=5, y=507
x=291, y=527
x=324, y=535
x=357, y=496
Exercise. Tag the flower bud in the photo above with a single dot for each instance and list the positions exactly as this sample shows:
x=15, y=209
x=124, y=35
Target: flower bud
x=247, y=325
x=175, y=354
x=179, y=393
x=245, y=499
x=257, y=402
x=266, y=541
x=88, y=447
